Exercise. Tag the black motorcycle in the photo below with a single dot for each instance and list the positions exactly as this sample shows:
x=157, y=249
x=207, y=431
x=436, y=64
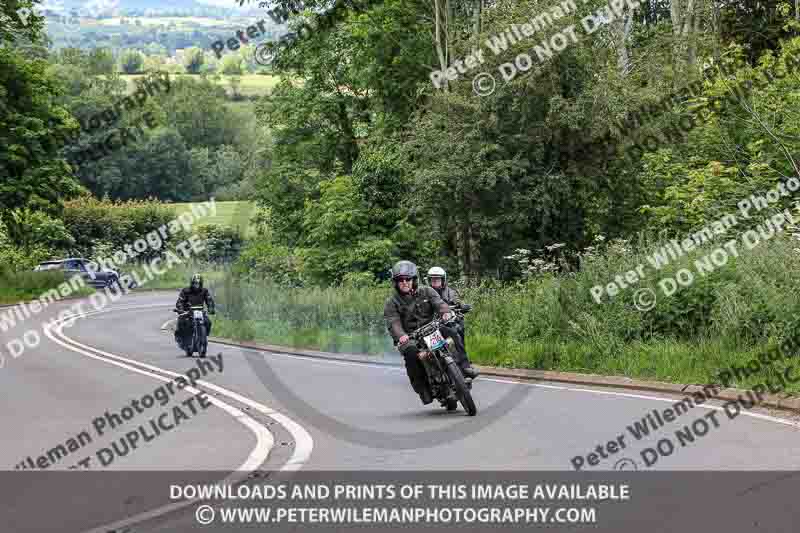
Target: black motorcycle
x=198, y=342
x=447, y=382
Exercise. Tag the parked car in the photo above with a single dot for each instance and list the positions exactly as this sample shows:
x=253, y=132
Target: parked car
x=101, y=279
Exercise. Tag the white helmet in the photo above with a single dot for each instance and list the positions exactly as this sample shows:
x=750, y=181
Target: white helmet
x=438, y=272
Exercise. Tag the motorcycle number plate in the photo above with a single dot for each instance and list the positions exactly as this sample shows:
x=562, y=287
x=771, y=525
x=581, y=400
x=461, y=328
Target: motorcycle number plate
x=198, y=315
x=435, y=340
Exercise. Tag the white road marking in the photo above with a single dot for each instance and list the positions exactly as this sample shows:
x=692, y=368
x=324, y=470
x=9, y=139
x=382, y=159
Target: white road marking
x=367, y=364
x=264, y=439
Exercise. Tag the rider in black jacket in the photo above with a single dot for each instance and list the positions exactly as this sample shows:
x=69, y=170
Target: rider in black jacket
x=194, y=294
x=410, y=307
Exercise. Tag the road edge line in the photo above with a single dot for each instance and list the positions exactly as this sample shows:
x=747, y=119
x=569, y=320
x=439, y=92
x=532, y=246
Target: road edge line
x=788, y=403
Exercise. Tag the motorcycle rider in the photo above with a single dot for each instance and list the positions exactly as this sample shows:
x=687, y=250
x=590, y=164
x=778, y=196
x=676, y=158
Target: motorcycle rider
x=437, y=278
x=409, y=308
x=193, y=295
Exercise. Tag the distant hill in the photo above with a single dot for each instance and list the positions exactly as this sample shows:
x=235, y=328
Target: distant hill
x=132, y=7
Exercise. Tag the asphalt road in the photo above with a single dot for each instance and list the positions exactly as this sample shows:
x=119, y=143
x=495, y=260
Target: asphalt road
x=277, y=414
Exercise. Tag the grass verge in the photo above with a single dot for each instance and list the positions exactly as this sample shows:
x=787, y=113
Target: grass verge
x=725, y=318
x=25, y=286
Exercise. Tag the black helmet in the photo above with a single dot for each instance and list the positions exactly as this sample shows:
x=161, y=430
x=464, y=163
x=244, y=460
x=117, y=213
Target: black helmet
x=405, y=269
x=197, y=282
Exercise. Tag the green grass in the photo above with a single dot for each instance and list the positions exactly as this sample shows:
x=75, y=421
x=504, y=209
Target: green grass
x=552, y=322
x=251, y=84
x=26, y=286
x=179, y=276
x=229, y=214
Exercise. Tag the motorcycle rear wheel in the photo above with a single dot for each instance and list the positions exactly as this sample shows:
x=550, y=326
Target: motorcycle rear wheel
x=462, y=392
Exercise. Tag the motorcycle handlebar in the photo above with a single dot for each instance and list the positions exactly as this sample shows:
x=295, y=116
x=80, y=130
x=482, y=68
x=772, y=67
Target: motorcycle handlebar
x=433, y=324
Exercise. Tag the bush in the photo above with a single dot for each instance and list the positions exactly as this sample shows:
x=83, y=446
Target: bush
x=15, y=258
x=131, y=62
x=92, y=221
x=222, y=244
x=551, y=321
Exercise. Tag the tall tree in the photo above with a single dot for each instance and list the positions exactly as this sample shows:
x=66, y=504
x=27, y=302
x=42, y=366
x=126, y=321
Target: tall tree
x=31, y=126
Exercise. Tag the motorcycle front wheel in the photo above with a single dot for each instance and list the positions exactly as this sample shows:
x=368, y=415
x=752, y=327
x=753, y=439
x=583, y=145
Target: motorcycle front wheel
x=462, y=392
x=202, y=340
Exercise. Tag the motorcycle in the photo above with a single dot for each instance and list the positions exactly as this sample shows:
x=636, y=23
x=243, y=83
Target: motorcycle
x=199, y=340
x=447, y=382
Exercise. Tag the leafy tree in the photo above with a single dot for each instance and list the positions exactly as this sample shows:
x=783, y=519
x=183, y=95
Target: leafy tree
x=193, y=60
x=19, y=21
x=232, y=65
x=100, y=62
x=31, y=127
x=131, y=62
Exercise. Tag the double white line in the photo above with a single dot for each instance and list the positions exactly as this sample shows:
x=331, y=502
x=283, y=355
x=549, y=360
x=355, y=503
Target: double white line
x=304, y=444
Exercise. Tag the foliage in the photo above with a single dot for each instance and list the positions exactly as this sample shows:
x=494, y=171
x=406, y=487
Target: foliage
x=222, y=244
x=746, y=144
x=117, y=224
x=551, y=321
x=131, y=62
x=232, y=65
x=193, y=60
x=31, y=124
x=30, y=229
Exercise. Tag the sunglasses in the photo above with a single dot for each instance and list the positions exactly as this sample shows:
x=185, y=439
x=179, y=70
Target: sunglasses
x=405, y=280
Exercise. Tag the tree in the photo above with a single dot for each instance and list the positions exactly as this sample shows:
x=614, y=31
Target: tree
x=19, y=22
x=232, y=65
x=131, y=62
x=193, y=60
x=235, y=82
x=32, y=127
x=100, y=62
x=154, y=64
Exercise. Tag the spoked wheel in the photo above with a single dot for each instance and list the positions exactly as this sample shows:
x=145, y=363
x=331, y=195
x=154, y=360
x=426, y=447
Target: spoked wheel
x=113, y=284
x=462, y=391
x=202, y=340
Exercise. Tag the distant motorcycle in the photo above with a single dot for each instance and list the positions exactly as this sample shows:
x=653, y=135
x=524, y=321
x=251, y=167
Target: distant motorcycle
x=447, y=382
x=198, y=341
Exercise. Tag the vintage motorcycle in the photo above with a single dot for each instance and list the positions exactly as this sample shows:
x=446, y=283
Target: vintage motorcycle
x=447, y=382
x=198, y=342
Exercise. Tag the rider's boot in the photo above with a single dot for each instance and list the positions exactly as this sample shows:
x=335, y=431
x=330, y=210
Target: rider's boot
x=470, y=371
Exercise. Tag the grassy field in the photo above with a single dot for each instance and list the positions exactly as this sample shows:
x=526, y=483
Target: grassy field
x=229, y=214
x=251, y=85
